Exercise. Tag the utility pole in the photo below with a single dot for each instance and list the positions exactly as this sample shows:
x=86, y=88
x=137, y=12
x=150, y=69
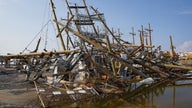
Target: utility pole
x=57, y=26
x=141, y=34
x=146, y=39
x=150, y=36
x=119, y=34
x=172, y=53
x=133, y=35
x=113, y=40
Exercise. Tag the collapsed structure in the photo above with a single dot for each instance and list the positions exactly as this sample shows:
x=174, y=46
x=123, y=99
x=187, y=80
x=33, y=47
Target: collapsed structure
x=98, y=62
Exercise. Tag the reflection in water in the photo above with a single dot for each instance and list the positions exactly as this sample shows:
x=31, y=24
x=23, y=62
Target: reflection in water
x=175, y=95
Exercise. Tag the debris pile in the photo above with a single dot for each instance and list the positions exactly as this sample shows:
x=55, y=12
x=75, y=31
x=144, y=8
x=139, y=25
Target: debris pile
x=99, y=62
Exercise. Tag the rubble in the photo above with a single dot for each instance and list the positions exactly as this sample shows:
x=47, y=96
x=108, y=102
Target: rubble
x=97, y=66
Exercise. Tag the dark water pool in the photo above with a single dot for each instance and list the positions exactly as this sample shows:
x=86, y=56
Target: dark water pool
x=177, y=95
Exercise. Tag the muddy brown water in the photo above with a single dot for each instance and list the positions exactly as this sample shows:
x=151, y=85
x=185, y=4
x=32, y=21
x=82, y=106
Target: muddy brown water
x=15, y=92
x=178, y=95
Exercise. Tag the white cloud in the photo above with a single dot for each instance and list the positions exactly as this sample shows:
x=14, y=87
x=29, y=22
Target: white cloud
x=186, y=12
x=186, y=46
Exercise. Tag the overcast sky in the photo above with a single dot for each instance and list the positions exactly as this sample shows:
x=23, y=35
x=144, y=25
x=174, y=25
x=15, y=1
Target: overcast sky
x=21, y=20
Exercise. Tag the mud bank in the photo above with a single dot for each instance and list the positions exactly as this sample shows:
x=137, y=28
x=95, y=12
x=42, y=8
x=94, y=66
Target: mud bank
x=15, y=92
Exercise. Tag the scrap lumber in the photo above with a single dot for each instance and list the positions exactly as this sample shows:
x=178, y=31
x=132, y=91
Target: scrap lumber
x=175, y=66
x=39, y=53
x=38, y=94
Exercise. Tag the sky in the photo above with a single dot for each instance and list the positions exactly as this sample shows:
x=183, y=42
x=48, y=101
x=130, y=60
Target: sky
x=22, y=20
